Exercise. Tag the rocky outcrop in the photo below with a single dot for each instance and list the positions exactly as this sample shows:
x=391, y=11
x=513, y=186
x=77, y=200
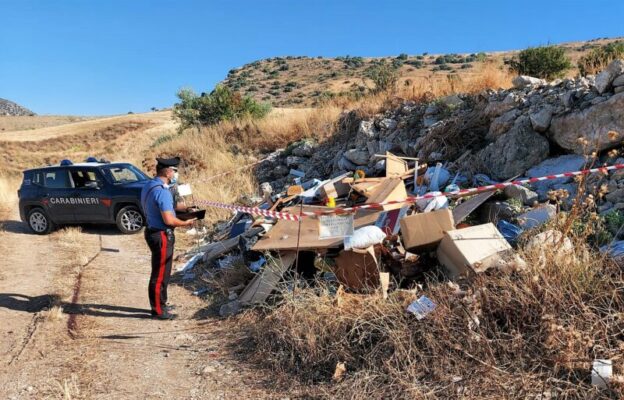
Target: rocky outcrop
x=502, y=133
x=9, y=108
x=599, y=127
x=515, y=151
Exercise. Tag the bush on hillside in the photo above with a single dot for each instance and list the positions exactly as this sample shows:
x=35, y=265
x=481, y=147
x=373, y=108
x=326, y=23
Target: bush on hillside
x=600, y=57
x=546, y=62
x=221, y=104
x=384, y=76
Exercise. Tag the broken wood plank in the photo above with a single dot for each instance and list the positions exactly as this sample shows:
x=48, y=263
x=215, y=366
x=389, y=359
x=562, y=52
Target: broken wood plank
x=217, y=249
x=261, y=286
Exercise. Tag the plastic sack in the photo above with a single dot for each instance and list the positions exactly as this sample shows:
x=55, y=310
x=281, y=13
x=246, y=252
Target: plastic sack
x=509, y=231
x=364, y=237
x=437, y=177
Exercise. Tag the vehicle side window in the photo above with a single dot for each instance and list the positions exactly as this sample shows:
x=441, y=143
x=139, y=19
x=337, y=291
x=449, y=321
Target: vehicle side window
x=82, y=177
x=37, y=179
x=58, y=179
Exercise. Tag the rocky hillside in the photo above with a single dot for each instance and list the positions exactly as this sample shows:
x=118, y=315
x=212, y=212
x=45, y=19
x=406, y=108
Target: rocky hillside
x=503, y=133
x=306, y=81
x=13, y=109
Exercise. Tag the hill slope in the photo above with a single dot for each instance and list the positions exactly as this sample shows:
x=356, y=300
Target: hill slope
x=307, y=81
x=8, y=107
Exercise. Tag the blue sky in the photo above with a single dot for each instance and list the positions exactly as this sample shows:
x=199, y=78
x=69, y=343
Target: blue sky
x=113, y=56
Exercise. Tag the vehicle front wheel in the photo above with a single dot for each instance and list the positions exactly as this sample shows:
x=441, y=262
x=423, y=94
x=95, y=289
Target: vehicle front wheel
x=39, y=222
x=130, y=220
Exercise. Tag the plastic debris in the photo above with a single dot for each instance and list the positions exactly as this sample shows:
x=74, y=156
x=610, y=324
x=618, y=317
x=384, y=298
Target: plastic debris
x=601, y=373
x=421, y=307
x=364, y=237
x=509, y=231
x=256, y=265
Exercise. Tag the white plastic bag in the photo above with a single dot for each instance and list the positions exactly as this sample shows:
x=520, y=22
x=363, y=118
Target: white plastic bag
x=364, y=237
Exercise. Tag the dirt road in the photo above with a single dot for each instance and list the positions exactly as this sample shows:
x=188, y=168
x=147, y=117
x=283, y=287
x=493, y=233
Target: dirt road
x=75, y=324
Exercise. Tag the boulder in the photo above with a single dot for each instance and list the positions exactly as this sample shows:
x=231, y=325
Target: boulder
x=593, y=124
x=550, y=238
x=552, y=166
x=357, y=157
x=619, y=81
x=502, y=124
x=606, y=77
x=527, y=196
x=294, y=161
x=523, y=81
x=515, y=151
x=618, y=89
x=346, y=165
x=387, y=124
x=540, y=120
x=496, y=108
x=452, y=101
x=537, y=216
x=365, y=133
x=305, y=149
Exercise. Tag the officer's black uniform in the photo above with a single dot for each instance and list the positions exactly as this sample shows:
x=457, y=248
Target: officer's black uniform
x=160, y=238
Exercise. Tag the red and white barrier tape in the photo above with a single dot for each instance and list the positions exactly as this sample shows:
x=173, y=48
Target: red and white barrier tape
x=410, y=199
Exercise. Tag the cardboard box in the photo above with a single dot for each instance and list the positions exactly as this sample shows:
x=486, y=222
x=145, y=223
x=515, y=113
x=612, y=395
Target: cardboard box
x=426, y=229
x=358, y=269
x=472, y=249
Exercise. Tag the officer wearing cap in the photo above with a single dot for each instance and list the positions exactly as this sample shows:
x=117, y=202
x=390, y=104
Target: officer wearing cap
x=160, y=212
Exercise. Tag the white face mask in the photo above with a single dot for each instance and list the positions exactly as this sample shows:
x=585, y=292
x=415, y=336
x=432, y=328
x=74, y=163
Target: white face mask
x=174, y=179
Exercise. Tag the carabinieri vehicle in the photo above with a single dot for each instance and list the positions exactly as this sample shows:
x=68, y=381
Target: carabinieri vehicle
x=95, y=191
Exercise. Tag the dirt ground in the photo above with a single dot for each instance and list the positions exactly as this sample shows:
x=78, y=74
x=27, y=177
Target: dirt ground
x=75, y=324
x=74, y=311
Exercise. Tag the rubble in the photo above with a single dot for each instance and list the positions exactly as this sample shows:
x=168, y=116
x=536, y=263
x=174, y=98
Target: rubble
x=385, y=240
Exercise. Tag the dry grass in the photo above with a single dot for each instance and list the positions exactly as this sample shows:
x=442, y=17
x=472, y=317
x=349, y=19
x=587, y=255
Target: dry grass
x=516, y=335
x=65, y=389
x=22, y=123
x=8, y=195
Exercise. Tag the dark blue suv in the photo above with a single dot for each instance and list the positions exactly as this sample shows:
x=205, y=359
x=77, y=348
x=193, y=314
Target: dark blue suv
x=90, y=192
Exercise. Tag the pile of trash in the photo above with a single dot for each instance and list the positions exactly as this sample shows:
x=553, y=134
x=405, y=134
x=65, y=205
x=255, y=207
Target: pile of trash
x=360, y=231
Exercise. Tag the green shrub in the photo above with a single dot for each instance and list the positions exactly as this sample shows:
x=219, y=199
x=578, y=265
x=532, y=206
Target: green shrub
x=547, y=62
x=384, y=76
x=402, y=56
x=221, y=104
x=600, y=57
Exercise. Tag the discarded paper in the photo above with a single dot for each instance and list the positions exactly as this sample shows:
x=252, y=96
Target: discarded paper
x=421, y=307
x=335, y=226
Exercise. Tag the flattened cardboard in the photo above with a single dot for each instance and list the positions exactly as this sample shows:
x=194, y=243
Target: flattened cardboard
x=472, y=249
x=283, y=235
x=390, y=189
x=426, y=229
x=357, y=269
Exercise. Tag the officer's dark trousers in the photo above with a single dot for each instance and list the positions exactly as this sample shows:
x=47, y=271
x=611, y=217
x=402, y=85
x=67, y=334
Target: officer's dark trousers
x=161, y=245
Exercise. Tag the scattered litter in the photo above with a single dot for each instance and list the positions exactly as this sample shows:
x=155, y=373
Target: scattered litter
x=257, y=265
x=601, y=373
x=339, y=372
x=509, y=231
x=421, y=307
x=437, y=177
x=388, y=221
x=201, y=291
x=426, y=229
x=297, y=173
x=185, y=190
x=190, y=263
x=335, y=226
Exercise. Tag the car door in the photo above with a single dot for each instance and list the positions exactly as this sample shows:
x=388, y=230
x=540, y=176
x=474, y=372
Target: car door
x=91, y=197
x=56, y=195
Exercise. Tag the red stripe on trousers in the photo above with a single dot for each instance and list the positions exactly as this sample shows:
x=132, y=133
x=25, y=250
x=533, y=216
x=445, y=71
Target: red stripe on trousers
x=161, y=271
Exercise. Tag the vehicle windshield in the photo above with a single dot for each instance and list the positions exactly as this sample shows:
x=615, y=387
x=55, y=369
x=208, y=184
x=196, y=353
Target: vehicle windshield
x=124, y=173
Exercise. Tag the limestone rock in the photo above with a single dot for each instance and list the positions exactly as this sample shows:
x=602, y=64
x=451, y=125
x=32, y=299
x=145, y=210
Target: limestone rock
x=502, y=124
x=515, y=151
x=366, y=132
x=552, y=166
x=305, y=149
x=496, y=108
x=618, y=89
x=357, y=157
x=346, y=165
x=294, y=161
x=619, y=81
x=387, y=124
x=522, y=81
x=527, y=196
x=540, y=120
x=537, y=216
x=592, y=124
x=606, y=77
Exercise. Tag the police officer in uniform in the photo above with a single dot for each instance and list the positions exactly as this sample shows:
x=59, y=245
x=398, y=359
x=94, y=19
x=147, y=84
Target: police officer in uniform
x=160, y=212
